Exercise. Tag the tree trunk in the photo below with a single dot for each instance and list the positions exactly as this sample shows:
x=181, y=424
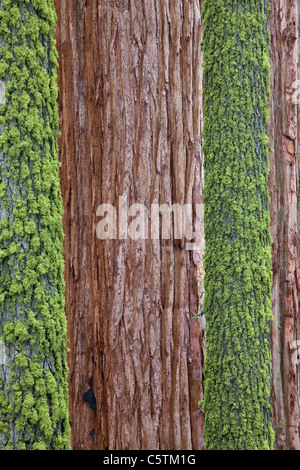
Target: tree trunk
x=33, y=371
x=237, y=302
x=130, y=102
x=284, y=134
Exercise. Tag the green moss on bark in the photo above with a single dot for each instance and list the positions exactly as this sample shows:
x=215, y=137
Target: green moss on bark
x=238, y=275
x=33, y=372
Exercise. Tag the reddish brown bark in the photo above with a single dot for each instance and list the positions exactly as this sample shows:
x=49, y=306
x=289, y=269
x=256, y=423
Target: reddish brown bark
x=285, y=207
x=130, y=106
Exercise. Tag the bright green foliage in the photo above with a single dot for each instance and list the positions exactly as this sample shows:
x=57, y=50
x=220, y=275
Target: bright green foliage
x=238, y=274
x=33, y=373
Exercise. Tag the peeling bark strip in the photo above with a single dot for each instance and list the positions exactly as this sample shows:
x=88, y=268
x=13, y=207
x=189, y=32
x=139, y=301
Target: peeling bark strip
x=284, y=131
x=130, y=102
x=33, y=370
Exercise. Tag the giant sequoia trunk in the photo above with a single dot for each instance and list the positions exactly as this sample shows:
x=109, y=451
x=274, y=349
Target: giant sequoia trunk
x=284, y=128
x=33, y=372
x=130, y=81
x=237, y=303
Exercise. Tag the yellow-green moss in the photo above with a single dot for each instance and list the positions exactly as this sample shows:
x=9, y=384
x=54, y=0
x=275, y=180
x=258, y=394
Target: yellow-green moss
x=238, y=278
x=34, y=391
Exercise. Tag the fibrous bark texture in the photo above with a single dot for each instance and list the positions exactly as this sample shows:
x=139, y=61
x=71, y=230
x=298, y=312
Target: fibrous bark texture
x=284, y=26
x=238, y=281
x=130, y=102
x=33, y=369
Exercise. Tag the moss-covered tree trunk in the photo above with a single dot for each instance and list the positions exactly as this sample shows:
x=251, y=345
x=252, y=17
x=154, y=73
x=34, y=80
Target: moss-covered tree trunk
x=238, y=277
x=33, y=371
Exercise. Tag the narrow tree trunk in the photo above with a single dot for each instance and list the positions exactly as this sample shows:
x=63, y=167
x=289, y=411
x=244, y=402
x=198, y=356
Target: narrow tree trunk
x=33, y=372
x=237, y=303
x=285, y=215
x=130, y=81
